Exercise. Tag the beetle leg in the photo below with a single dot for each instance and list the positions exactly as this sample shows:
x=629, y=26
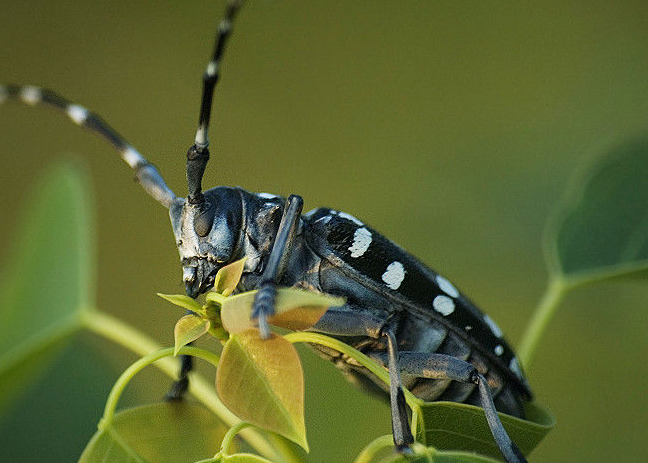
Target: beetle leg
x=340, y=322
x=350, y=323
x=179, y=387
x=421, y=364
x=440, y=366
x=277, y=261
x=400, y=421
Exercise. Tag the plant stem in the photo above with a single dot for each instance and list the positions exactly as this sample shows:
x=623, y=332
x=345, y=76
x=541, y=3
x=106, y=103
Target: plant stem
x=362, y=359
x=230, y=435
x=130, y=372
x=368, y=453
x=556, y=290
x=128, y=337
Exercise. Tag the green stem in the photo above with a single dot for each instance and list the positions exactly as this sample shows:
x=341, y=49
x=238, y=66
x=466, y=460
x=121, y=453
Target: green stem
x=137, y=342
x=556, y=290
x=362, y=359
x=126, y=376
x=230, y=435
x=368, y=453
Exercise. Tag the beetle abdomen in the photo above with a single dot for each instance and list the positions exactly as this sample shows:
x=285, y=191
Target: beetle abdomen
x=429, y=313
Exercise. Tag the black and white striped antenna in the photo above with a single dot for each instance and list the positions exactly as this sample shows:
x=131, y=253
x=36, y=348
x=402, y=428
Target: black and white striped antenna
x=145, y=172
x=198, y=154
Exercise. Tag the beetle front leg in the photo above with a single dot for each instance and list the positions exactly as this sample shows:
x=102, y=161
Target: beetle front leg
x=180, y=386
x=277, y=261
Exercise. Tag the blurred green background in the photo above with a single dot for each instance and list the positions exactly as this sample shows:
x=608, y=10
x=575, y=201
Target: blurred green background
x=452, y=127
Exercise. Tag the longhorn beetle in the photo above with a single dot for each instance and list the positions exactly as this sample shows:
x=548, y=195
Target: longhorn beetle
x=430, y=337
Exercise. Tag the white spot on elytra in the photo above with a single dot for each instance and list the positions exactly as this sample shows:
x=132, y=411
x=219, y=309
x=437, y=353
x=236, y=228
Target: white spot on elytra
x=394, y=275
x=31, y=95
x=499, y=350
x=514, y=366
x=444, y=305
x=493, y=326
x=133, y=157
x=468, y=327
x=77, y=113
x=267, y=196
x=3, y=94
x=212, y=68
x=446, y=286
x=361, y=241
x=344, y=215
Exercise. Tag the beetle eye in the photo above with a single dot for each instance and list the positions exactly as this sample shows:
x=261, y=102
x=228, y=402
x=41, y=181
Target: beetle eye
x=203, y=221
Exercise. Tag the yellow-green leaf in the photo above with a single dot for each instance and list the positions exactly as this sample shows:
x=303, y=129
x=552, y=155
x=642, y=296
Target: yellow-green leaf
x=295, y=309
x=183, y=301
x=431, y=455
x=187, y=329
x=454, y=426
x=228, y=277
x=381, y=450
x=165, y=432
x=244, y=458
x=262, y=382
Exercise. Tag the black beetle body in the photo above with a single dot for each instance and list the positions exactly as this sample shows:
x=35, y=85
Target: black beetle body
x=405, y=316
x=335, y=253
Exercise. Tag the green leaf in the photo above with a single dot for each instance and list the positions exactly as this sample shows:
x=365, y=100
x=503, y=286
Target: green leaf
x=454, y=426
x=461, y=457
x=183, y=301
x=188, y=329
x=244, y=458
x=163, y=432
x=378, y=452
x=48, y=279
x=600, y=230
x=228, y=277
x=262, y=382
x=431, y=455
x=295, y=309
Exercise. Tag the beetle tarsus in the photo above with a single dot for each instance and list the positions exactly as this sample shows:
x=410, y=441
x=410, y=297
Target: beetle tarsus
x=263, y=307
x=180, y=387
x=178, y=390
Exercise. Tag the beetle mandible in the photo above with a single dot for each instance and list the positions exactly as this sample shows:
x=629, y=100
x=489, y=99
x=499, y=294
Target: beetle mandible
x=430, y=337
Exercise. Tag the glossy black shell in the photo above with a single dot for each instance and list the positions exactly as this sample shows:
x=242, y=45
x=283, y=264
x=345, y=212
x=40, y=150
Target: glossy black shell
x=335, y=253
x=429, y=313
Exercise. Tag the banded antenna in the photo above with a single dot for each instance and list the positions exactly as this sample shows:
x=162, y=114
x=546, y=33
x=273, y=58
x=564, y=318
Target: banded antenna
x=145, y=173
x=198, y=154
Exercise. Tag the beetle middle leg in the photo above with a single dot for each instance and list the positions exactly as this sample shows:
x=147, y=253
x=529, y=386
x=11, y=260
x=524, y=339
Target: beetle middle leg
x=277, y=261
x=350, y=323
x=342, y=322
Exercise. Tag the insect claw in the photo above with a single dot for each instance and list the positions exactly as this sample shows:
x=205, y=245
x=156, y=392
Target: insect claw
x=264, y=328
x=178, y=390
x=403, y=449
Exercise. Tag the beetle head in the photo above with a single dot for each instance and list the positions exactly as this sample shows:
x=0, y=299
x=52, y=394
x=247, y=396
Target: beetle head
x=207, y=234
